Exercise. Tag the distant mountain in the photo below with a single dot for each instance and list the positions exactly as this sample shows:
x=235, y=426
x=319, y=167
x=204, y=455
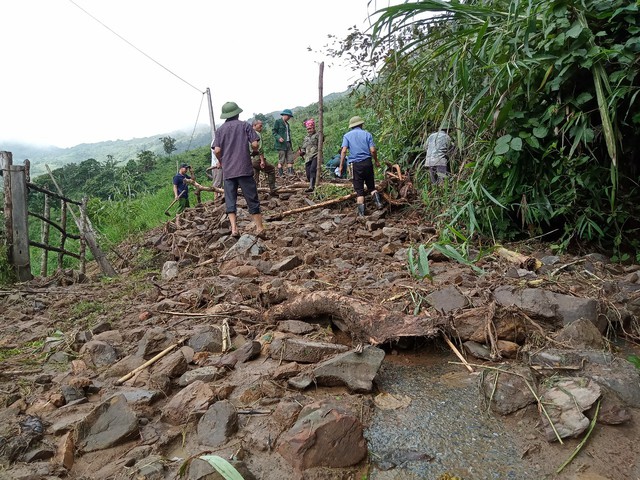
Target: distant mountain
x=121, y=150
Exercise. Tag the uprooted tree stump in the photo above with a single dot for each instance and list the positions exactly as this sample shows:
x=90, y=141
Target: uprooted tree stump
x=365, y=322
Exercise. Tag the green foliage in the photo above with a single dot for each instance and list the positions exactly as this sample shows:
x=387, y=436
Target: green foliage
x=168, y=144
x=543, y=98
x=418, y=264
x=6, y=273
x=635, y=360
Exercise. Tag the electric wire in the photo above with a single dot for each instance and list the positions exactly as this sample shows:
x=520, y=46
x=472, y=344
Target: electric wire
x=196, y=124
x=140, y=51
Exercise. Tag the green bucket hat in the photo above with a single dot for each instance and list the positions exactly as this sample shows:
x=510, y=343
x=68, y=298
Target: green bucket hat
x=286, y=111
x=230, y=109
x=355, y=121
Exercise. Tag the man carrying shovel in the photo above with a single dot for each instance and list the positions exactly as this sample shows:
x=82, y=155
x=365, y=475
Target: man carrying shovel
x=181, y=188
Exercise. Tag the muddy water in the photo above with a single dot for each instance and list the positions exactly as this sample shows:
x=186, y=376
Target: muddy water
x=444, y=429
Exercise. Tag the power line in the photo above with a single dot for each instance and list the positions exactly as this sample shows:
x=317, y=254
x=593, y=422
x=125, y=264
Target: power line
x=132, y=45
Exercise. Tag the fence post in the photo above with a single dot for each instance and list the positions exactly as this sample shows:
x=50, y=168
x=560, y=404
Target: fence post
x=44, y=265
x=20, y=223
x=6, y=160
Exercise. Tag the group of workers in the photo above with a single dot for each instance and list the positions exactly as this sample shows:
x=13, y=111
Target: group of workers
x=238, y=151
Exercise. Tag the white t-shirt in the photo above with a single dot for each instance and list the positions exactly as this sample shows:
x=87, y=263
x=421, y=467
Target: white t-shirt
x=437, y=146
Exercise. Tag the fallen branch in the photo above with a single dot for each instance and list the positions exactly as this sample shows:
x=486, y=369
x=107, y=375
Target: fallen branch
x=529, y=263
x=123, y=379
x=333, y=201
x=458, y=354
x=11, y=373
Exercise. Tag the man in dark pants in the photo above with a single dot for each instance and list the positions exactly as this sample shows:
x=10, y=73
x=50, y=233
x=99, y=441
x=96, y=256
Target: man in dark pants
x=359, y=143
x=260, y=163
x=231, y=149
x=309, y=151
x=282, y=134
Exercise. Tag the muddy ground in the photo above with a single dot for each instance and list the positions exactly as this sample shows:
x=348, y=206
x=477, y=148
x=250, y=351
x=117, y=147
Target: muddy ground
x=67, y=341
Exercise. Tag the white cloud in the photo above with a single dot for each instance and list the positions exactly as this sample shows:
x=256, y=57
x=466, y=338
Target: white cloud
x=67, y=79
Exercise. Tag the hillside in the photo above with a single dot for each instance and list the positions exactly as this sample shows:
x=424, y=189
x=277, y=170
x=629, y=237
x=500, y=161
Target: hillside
x=121, y=150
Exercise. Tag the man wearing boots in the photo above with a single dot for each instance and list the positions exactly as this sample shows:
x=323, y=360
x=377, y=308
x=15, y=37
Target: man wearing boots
x=230, y=147
x=309, y=151
x=282, y=135
x=359, y=143
x=260, y=163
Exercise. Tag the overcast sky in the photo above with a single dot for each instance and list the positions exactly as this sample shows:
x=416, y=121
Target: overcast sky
x=66, y=79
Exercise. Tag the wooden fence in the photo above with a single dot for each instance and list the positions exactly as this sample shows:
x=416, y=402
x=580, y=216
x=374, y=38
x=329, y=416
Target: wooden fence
x=16, y=214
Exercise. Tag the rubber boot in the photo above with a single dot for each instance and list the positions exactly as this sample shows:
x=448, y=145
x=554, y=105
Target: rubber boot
x=361, y=209
x=376, y=198
x=312, y=186
x=280, y=172
x=290, y=171
x=271, y=180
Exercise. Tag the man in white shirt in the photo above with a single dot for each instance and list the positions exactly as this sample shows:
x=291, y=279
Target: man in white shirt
x=438, y=146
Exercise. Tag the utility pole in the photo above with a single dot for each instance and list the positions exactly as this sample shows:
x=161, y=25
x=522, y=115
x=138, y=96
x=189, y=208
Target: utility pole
x=320, y=124
x=211, y=119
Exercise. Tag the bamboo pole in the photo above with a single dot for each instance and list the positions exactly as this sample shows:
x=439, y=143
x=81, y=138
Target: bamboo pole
x=63, y=238
x=281, y=215
x=458, y=354
x=123, y=379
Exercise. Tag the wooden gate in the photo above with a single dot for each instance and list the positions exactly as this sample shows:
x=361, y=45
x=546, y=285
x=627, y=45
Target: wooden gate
x=16, y=213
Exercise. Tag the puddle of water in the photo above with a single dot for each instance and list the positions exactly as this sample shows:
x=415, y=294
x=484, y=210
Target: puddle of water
x=443, y=428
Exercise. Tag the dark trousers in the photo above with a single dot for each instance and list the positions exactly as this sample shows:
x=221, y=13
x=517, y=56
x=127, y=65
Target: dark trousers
x=363, y=175
x=311, y=168
x=249, y=192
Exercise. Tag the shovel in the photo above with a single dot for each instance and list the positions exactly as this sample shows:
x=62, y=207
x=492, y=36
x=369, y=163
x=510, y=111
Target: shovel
x=166, y=212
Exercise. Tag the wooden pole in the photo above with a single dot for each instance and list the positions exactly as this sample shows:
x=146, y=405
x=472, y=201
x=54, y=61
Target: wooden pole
x=20, y=223
x=320, y=160
x=83, y=242
x=63, y=237
x=45, y=236
x=98, y=254
x=7, y=160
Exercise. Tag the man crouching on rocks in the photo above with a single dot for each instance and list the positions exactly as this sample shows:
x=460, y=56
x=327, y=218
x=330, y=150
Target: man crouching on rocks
x=230, y=146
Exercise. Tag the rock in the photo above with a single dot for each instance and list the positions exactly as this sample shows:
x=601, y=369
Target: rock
x=110, y=423
x=564, y=401
x=245, y=247
x=246, y=352
x=619, y=376
x=287, y=264
x=580, y=334
x=511, y=391
x=153, y=342
x=124, y=366
x=355, y=370
x=207, y=340
x=325, y=435
x=151, y=469
x=173, y=365
x=612, y=410
x=64, y=455
x=194, y=397
x=169, y=270
x=139, y=395
x=99, y=353
x=508, y=349
x=393, y=233
x=295, y=326
x=218, y=424
x=557, y=307
x=477, y=350
x=286, y=370
x=447, y=299
x=71, y=393
x=303, y=351
x=204, y=374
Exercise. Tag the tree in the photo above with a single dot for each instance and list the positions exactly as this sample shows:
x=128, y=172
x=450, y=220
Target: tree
x=168, y=144
x=543, y=97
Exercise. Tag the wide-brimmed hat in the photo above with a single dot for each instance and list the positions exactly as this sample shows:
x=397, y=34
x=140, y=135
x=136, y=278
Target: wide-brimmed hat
x=230, y=109
x=355, y=121
x=287, y=111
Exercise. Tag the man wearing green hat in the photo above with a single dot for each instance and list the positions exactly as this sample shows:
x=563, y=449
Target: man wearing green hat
x=362, y=150
x=282, y=135
x=230, y=147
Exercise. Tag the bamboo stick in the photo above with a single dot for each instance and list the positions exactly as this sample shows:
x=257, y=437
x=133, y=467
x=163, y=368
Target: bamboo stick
x=123, y=379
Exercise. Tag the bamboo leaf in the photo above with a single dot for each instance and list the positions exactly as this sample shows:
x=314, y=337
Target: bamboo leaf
x=223, y=467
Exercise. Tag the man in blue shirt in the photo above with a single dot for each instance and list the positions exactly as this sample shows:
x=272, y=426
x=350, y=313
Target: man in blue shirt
x=181, y=188
x=359, y=143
